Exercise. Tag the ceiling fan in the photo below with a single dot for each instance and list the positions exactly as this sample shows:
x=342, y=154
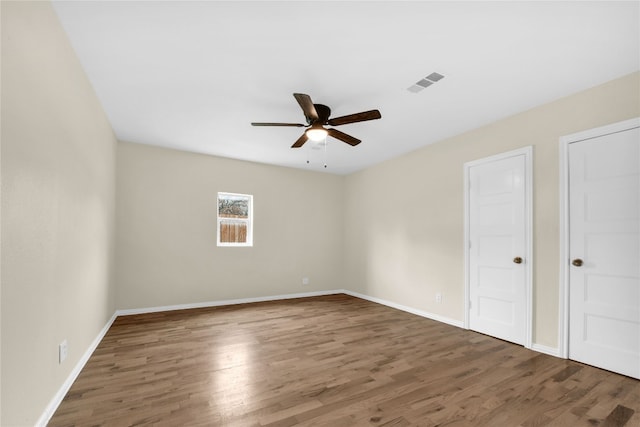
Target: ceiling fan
x=317, y=116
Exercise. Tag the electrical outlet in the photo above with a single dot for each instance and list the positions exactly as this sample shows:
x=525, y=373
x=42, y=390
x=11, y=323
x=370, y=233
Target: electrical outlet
x=63, y=350
x=305, y=280
x=438, y=297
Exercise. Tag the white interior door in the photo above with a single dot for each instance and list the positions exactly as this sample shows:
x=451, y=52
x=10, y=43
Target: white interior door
x=498, y=248
x=604, y=251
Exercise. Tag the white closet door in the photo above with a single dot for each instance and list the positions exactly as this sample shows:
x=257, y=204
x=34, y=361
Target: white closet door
x=604, y=248
x=497, y=253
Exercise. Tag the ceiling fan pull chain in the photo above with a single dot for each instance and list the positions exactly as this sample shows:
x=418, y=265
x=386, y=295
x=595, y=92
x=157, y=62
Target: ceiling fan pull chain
x=325, y=152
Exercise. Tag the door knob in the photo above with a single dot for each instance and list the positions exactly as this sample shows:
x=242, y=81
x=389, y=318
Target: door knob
x=577, y=262
x=517, y=260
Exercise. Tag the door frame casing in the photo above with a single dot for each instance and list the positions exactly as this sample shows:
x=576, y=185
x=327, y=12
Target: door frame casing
x=528, y=256
x=563, y=298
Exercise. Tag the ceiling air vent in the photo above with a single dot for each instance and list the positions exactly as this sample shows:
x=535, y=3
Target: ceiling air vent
x=426, y=82
x=434, y=77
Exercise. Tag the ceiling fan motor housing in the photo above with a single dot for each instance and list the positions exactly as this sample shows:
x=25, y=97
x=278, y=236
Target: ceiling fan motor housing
x=323, y=114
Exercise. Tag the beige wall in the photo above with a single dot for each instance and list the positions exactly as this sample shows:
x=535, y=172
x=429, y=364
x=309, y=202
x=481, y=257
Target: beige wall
x=404, y=217
x=58, y=163
x=166, y=251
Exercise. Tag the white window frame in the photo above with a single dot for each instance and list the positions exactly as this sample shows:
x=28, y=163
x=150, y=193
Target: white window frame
x=248, y=221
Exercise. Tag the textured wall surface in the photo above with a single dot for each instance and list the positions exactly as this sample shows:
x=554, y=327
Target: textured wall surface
x=58, y=183
x=166, y=251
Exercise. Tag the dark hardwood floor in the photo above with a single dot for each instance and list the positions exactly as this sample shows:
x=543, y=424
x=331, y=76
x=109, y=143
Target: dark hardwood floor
x=331, y=361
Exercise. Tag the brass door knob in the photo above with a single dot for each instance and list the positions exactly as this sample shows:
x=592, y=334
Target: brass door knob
x=517, y=260
x=577, y=262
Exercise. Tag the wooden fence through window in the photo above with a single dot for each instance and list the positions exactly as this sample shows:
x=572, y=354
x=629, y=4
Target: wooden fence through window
x=233, y=232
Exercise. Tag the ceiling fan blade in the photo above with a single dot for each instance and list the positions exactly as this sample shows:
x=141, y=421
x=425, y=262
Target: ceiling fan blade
x=357, y=117
x=298, y=125
x=300, y=142
x=307, y=106
x=343, y=137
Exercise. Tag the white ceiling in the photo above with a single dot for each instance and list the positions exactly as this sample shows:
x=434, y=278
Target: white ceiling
x=194, y=75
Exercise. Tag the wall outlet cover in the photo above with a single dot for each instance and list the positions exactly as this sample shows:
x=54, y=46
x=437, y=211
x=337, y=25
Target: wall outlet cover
x=63, y=351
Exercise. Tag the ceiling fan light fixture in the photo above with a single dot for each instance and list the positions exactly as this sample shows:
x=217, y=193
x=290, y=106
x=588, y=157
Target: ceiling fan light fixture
x=316, y=134
x=317, y=115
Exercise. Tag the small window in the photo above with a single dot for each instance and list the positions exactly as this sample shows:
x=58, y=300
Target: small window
x=235, y=217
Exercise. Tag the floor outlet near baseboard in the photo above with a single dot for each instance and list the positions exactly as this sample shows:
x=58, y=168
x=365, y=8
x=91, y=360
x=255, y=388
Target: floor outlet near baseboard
x=305, y=280
x=438, y=297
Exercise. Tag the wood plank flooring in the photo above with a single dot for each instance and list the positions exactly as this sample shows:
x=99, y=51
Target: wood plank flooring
x=331, y=361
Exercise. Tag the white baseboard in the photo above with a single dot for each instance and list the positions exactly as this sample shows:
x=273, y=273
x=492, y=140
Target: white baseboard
x=57, y=398
x=129, y=312
x=551, y=351
x=411, y=310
